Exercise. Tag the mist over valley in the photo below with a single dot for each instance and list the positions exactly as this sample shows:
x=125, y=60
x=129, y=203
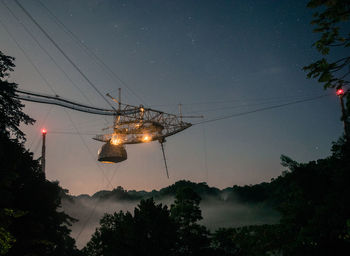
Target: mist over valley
x=220, y=208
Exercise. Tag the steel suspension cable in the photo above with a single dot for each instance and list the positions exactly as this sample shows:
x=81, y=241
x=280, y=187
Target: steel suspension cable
x=47, y=53
x=261, y=109
x=90, y=52
x=63, y=53
x=281, y=100
x=48, y=84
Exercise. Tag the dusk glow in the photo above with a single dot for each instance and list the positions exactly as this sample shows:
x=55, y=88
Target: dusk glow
x=221, y=59
x=218, y=126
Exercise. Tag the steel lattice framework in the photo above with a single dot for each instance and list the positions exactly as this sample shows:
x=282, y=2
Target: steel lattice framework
x=132, y=124
x=143, y=125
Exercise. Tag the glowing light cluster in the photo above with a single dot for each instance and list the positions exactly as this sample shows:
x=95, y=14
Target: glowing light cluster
x=43, y=131
x=115, y=140
x=146, y=138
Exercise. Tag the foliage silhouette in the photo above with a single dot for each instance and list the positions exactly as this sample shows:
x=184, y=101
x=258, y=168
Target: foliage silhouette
x=314, y=202
x=332, y=22
x=30, y=223
x=150, y=231
x=153, y=230
x=11, y=114
x=313, y=199
x=193, y=238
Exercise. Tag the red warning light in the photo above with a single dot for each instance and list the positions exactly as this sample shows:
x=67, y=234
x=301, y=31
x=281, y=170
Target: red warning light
x=340, y=92
x=43, y=131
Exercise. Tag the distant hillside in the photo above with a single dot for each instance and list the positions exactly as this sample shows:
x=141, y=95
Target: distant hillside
x=230, y=207
x=244, y=194
x=307, y=202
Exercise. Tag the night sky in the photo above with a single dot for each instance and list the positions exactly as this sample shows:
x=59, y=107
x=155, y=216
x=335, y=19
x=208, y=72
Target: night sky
x=217, y=58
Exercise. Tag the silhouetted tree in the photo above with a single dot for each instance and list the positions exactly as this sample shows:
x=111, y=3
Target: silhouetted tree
x=6, y=238
x=150, y=231
x=201, y=188
x=30, y=223
x=115, y=235
x=332, y=23
x=223, y=242
x=11, y=114
x=186, y=210
x=156, y=231
x=259, y=240
x=314, y=201
x=193, y=238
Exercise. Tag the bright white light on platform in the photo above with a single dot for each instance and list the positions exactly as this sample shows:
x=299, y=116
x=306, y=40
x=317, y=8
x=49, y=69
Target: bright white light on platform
x=146, y=138
x=116, y=140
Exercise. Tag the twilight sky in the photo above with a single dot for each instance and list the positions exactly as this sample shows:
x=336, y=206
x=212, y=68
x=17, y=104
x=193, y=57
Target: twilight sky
x=215, y=57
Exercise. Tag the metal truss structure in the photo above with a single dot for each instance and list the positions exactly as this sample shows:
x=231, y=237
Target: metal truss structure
x=132, y=124
x=142, y=126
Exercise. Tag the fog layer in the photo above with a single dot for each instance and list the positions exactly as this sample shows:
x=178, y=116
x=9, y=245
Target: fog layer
x=216, y=213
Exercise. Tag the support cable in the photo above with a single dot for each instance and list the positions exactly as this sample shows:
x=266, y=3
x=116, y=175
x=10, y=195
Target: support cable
x=205, y=154
x=56, y=100
x=88, y=149
x=261, y=109
x=231, y=101
x=77, y=132
x=281, y=100
x=47, y=53
x=28, y=58
x=102, y=170
x=63, y=53
x=88, y=51
x=73, y=133
x=92, y=212
x=166, y=165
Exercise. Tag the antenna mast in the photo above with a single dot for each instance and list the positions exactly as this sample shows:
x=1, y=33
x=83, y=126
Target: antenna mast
x=120, y=99
x=43, y=151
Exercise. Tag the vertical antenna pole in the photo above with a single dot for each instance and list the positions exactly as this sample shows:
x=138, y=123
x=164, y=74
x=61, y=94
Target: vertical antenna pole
x=43, y=151
x=117, y=118
x=341, y=93
x=346, y=128
x=120, y=98
x=180, y=111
